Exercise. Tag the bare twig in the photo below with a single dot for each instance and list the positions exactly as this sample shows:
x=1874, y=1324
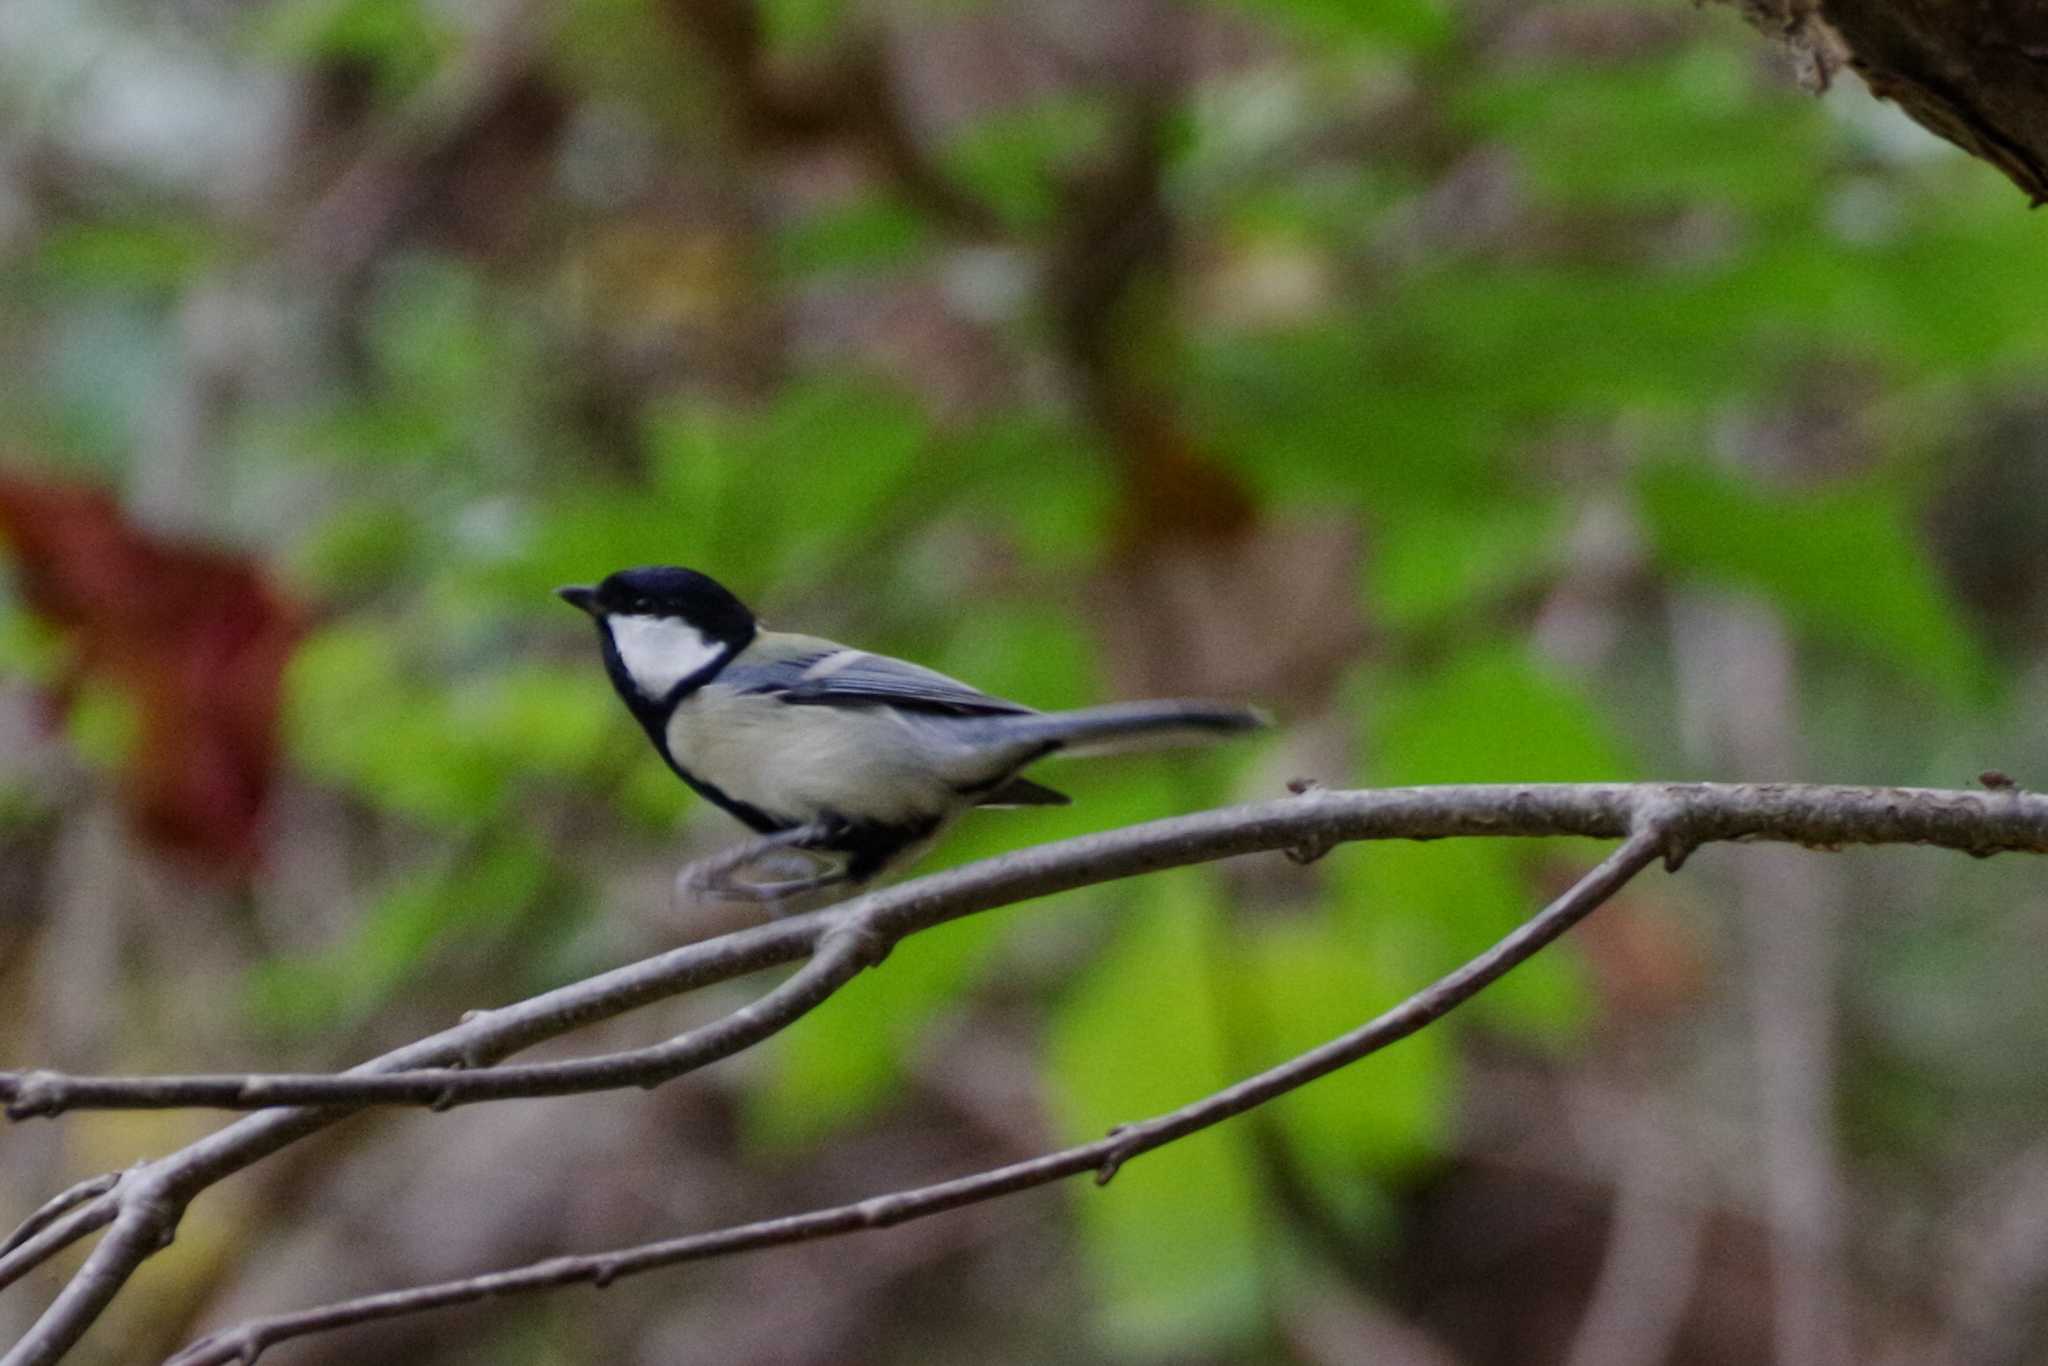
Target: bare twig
x=1976, y=822
x=840, y=955
x=56, y=1235
x=1103, y=1157
x=146, y=1203
x=56, y=1205
x=143, y=1225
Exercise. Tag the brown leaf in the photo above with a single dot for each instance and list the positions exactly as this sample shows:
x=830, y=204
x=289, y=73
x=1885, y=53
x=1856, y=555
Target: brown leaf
x=197, y=637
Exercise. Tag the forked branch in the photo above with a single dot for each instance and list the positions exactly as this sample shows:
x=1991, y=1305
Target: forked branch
x=143, y=1205
x=1103, y=1157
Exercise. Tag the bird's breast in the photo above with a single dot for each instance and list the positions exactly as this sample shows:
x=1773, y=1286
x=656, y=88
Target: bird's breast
x=798, y=762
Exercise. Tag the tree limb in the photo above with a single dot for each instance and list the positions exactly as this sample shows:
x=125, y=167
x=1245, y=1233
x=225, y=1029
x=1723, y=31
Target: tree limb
x=1967, y=70
x=842, y=951
x=56, y=1205
x=1104, y=1156
x=36, y=1242
x=145, y=1203
x=1815, y=816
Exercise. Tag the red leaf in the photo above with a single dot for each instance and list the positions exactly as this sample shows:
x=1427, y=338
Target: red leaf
x=197, y=637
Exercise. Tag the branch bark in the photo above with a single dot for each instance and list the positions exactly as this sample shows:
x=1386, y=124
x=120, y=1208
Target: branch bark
x=1970, y=71
x=456, y=1069
x=840, y=955
x=145, y=1203
x=1104, y=1156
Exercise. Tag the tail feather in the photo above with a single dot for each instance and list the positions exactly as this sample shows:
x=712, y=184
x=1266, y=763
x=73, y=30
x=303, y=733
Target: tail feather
x=1131, y=725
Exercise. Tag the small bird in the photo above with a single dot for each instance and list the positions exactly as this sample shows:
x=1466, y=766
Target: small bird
x=857, y=757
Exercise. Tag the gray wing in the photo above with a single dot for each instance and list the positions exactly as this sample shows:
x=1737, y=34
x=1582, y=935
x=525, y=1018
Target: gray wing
x=842, y=677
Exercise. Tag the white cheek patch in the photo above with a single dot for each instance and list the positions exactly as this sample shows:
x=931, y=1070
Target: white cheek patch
x=660, y=652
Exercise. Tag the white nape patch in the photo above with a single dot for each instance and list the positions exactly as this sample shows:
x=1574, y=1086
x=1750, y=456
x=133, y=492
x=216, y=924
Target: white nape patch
x=660, y=652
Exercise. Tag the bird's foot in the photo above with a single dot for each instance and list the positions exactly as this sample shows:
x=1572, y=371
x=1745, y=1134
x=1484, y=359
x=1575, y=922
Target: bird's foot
x=722, y=876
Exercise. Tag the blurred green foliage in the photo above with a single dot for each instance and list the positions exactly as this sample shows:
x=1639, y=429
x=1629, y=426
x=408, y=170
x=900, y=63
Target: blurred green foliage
x=1843, y=564
x=483, y=897
x=1139, y=1034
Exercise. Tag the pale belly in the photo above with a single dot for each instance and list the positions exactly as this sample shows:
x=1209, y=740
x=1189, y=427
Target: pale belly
x=797, y=763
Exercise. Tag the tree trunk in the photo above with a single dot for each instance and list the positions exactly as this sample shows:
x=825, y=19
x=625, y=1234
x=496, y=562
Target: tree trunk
x=1974, y=71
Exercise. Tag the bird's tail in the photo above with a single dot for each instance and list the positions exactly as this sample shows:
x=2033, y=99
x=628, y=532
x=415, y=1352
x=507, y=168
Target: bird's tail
x=1132, y=725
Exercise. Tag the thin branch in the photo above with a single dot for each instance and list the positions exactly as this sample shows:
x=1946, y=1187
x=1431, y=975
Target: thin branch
x=150, y=1199
x=842, y=953
x=53, y=1237
x=452, y=1073
x=56, y=1205
x=142, y=1227
x=1104, y=1157
x=1799, y=814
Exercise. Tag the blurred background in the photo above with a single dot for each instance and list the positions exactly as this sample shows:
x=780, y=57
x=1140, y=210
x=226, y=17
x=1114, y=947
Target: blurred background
x=1496, y=391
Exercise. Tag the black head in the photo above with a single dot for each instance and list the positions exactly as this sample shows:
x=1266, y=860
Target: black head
x=665, y=632
x=667, y=591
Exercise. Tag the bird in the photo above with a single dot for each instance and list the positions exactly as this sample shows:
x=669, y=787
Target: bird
x=858, y=759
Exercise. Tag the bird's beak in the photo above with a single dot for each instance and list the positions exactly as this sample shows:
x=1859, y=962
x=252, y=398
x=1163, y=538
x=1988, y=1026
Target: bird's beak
x=580, y=597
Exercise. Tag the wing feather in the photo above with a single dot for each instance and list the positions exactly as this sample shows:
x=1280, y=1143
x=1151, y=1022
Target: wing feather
x=839, y=677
